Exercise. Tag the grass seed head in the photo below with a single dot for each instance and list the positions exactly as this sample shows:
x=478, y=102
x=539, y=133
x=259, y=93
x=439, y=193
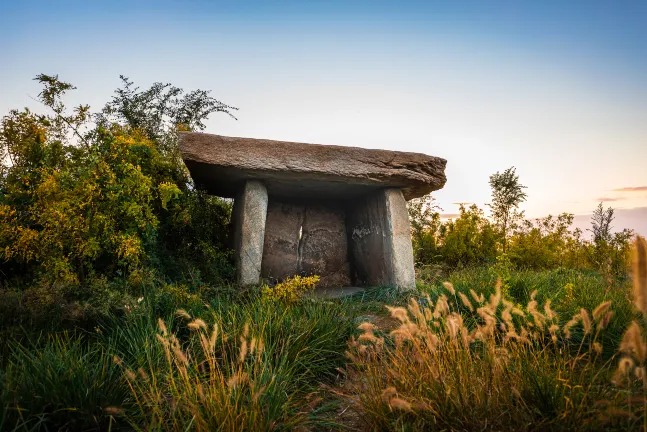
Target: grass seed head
x=243, y=350
x=601, y=310
x=633, y=344
x=400, y=404
x=182, y=314
x=388, y=393
x=640, y=273
x=197, y=324
x=399, y=313
x=162, y=326
x=367, y=326
x=478, y=298
x=450, y=287
x=466, y=301
x=586, y=321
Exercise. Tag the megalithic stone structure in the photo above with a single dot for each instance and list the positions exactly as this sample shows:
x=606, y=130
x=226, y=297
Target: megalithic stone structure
x=339, y=212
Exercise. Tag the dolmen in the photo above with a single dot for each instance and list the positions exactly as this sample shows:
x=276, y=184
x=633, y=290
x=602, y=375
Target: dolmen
x=337, y=212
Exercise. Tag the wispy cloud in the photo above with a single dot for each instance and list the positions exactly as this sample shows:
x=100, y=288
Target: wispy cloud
x=608, y=199
x=631, y=189
x=449, y=215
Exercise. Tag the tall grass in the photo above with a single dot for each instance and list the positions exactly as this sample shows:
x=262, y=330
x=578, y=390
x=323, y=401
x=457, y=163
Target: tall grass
x=545, y=350
x=60, y=382
x=255, y=366
x=72, y=382
x=465, y=361
x=568, y=291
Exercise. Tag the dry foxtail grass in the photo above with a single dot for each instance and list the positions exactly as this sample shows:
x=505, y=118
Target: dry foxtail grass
x=213, y=381
x=499, y=367
x=633, y=365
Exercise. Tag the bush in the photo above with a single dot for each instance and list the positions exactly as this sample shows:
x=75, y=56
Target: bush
x=99, y=206
x=291, y=289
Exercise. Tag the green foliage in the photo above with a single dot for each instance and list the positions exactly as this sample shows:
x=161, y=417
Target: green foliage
x=609, y=251
x=289, y=290
x=545, y=243
x=74, y=383
x=425, y=223
x=89, y=200
x=60, y=382
x=507, y=194
x=469, y=239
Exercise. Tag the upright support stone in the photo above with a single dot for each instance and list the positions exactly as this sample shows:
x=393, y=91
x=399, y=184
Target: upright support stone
x=380, y=241
x=398, y=242
x=250, y=213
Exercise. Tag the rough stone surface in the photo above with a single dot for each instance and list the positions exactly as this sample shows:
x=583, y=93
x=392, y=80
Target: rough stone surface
x=380, y=241
x=221, y=165
x=306, y=238
x=398, y=242
x=249, y=214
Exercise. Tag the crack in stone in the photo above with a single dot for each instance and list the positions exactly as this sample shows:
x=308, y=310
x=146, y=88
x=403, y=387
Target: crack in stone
x=302, y=236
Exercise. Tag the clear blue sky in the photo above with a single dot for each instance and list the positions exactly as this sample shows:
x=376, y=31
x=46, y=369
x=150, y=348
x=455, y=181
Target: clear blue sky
x=556, y=88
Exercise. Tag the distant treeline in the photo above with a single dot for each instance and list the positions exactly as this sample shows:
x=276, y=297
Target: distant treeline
x=545, y=243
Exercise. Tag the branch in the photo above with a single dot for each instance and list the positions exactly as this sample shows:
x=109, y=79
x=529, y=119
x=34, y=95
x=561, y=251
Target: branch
x=62, y=117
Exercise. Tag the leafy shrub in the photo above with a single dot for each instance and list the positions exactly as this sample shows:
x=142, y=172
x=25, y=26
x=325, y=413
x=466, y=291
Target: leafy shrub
x=466, y=240
x=291, y=289
x=93, y=206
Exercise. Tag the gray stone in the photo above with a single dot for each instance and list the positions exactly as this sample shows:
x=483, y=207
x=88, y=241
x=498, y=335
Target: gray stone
x=249, y=215
x=222, y=164
x=338, y=212
x=398, y=243
x=306, y=238
x=380, y=241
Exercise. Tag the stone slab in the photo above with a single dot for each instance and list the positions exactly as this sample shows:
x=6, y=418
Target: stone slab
x=398, y=244
x=380, y=241
x=306, y=238
x=249, y=215
x=221, y=165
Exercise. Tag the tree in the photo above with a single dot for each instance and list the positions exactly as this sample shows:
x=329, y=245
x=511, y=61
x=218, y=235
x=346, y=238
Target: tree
x=425, y=222
x=610, y=250
x=507, y=194
x=96, y=207
x=601, y=224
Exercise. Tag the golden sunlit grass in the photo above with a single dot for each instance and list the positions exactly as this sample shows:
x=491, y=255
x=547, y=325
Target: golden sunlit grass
x=467, y=355
x=497, y=367
x=633, y=365
x=211, y=381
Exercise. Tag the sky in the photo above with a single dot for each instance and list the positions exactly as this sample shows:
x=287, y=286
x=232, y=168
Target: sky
x=557, y=89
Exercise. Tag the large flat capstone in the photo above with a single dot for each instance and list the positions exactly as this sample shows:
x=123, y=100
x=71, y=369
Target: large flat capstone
x=222, y=165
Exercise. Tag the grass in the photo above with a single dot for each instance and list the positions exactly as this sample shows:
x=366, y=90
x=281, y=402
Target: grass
x=305, y=365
